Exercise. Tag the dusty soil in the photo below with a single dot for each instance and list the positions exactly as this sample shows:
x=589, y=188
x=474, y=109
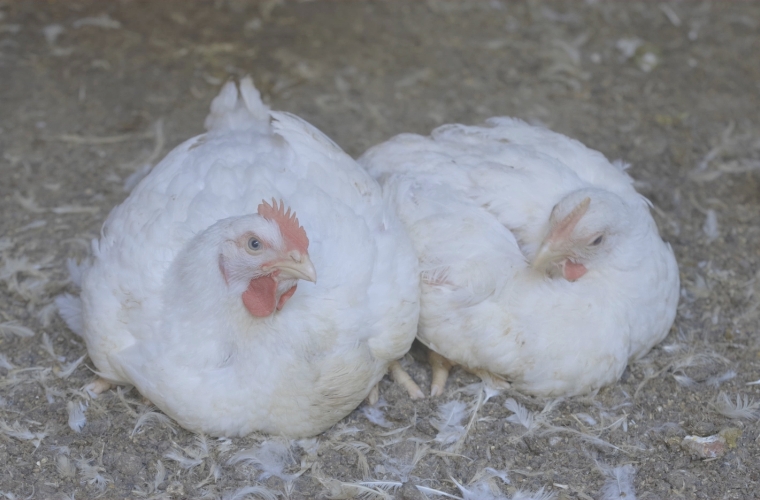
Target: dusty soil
x=670, y=87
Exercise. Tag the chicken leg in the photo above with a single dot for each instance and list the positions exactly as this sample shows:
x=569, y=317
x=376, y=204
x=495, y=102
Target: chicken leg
x=440, y=367
x=403, y=379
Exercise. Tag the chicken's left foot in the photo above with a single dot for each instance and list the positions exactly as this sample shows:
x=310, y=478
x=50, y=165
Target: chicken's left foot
x=402, y=378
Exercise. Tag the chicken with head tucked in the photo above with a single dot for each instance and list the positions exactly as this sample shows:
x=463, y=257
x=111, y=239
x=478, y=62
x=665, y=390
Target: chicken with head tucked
x=541, y=265
x=255, y=280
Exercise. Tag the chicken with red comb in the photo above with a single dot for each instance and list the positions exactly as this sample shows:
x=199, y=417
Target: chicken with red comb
x=254, y=280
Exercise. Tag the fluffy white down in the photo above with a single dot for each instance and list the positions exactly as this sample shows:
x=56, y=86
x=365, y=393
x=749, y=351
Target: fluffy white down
x=296, y=372
x=476, y=201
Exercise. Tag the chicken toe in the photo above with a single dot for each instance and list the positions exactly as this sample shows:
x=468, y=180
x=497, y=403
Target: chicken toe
x=440, y=367
x=403, y=379
x=374, y=395
x=97, y=387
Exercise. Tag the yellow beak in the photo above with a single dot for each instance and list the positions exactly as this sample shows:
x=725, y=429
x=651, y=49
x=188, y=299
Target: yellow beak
x=297, y=266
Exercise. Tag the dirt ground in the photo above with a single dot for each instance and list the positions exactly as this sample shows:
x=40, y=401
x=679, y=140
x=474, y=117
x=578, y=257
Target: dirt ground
x=91, y=92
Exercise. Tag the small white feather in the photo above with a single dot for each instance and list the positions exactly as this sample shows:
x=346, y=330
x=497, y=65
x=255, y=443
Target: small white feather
x=77, y=418
x=619, y=483
x=522, y=415
x=716, y=380
x=254, y=491
x=448, y=420
x=100, y=21
x=160, y=476
x=684, y=380
x=190, y=457
x=46, y=314
x=22, y=433
x=375, y=415
x=271, y=457
x=12, y=327
x=5, y=363
x=47, y=346
x=70, y=309
x=66, y=370
x=148, y=417
x=744, y=407
x=183, y=461
x=65, y=467
x=710, y=227
x=538, y=495
x=92, y=474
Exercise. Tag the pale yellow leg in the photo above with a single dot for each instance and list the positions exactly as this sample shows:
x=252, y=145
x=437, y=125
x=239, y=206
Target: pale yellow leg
x=374, y=395
x=440, y=367
x=403, y=379
x=97, y=387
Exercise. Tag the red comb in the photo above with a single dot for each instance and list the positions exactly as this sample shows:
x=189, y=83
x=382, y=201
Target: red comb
x=294, y=235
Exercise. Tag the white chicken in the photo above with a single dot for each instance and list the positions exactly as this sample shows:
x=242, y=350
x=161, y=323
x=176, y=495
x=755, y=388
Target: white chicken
x=541, y=265
x=202, y=291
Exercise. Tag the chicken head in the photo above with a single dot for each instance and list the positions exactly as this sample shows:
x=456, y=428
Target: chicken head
x=580, y=228
x=263, y=256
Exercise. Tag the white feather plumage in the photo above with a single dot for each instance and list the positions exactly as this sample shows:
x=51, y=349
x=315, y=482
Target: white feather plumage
x=152, y=310
x=478, y=202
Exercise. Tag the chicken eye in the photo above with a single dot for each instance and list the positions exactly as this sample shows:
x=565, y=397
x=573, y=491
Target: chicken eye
x=597, y=241
x=254, y=245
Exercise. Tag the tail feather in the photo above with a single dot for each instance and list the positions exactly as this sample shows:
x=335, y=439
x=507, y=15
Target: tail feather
x=238, y=107
x=70, y=309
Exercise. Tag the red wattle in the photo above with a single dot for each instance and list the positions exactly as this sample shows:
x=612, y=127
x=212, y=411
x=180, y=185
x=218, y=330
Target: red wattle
x=260, y=298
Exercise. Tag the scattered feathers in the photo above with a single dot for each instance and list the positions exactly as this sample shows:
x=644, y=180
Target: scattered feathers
x=448, y=421
x=92, y=473
x=5, y=363
x=13, y=328
x=77, y=418
x=619, y=483
x=67, y=369
x=710, y=227
x=744, y=407
x=190, y=457
x=522, y=415
x=271, y=457
x=22, y=433
x=375, y=415
x=65, y=467
x=257, y=492
x=47, y=346
x=149, y=417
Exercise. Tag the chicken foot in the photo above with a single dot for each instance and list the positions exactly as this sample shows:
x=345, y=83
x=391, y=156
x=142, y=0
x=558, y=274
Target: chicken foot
x=403, y=379
x=440, y=367
x=97, y=387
